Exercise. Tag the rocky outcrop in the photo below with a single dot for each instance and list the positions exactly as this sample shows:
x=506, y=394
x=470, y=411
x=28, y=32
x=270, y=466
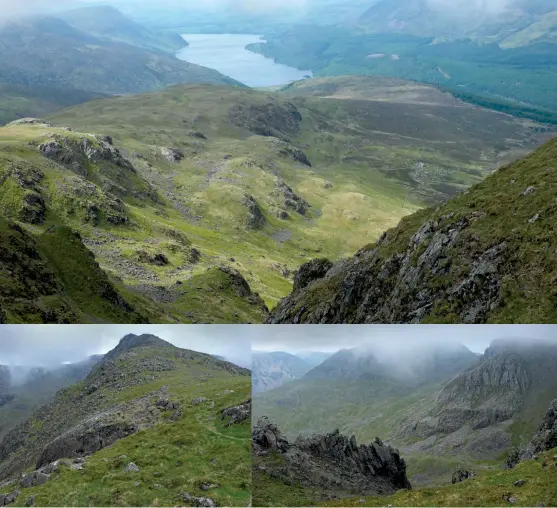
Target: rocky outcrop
x=237, y=414
x=85, y=439
x=272, y=118
x=265, y=437
x=287, y=150
x=255, y=218
x=291, y=199
x=331, y=462
x=172, y=154
x=7, y=499
x=239, y=285
x=153, y=259
x=407, y=285
x=311, y=271
x=76, y=153
x=33, y=209
x=460, y=475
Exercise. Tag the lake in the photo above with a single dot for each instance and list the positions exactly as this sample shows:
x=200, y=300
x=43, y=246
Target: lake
x=227, y=54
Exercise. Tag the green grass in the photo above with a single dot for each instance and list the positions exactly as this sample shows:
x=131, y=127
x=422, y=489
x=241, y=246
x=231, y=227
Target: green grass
x=486, y=489
x=365, y=177
x=177, y=456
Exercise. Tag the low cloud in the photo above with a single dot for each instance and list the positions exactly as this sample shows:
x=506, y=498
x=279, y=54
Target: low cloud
x=467, y=7
x=49, y=345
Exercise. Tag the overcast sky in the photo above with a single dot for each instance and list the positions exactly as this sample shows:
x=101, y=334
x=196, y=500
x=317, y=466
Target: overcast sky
x=331, y=338
x=11, y=8
x=42, y=345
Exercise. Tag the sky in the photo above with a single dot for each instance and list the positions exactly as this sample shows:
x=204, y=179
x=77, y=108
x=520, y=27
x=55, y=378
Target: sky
x=44, y=345
x=331, y=338
x=11, y=8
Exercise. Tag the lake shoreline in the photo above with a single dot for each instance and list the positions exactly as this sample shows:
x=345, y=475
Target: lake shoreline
x=229, y=54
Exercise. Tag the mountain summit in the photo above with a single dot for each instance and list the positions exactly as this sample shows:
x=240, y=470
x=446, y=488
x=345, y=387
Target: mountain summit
x=132, y=341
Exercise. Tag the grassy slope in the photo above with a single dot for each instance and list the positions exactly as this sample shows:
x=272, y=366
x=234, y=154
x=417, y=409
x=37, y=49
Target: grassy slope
x=175, y=455
x=367, y=150
x=21, y=101
x=486, y=489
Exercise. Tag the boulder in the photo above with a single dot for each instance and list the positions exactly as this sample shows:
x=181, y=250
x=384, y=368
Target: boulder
x=237, y=414
x=131, y=468
x=33, y=479
x=460, y=475
x=172, y=154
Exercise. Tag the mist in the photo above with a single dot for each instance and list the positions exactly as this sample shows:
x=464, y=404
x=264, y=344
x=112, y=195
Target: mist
x=460, y=7
x=10, y=9
x=55, y=345
x=392, y=339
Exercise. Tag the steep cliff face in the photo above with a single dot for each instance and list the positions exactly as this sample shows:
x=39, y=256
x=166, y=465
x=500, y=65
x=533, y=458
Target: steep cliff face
x=332, y=463
x=485, y=256
x=474, y=412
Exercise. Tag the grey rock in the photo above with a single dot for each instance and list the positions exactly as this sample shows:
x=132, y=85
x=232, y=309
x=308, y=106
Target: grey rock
x=331, y=460
x=33, y=479
x=86, y=438
x=310, y=272
x=131, y=468
x=519, y=483
x=255, y=218
x=6, y=499
x=372, y=287
x=172, y=154
x=460, y=475
x=237, y=414
x=198, y=501
x=528, y=191
x=30, y=501
x=50, y=468
x=208, y=486
x=546, y=434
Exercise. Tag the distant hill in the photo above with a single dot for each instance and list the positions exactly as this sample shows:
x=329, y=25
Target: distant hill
x=108, y=23
x=514, y=23
x=51, y=62
x=270, y=370
x=20, y=101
